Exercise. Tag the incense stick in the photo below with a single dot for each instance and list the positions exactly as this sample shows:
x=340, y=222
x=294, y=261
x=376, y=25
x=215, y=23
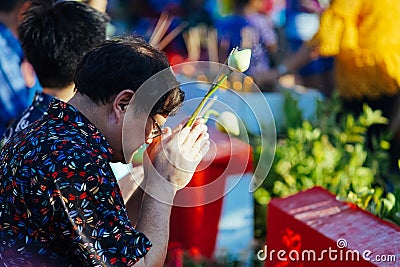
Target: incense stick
x=192, y=41
x=171, y=36
x=160, y=29
x=212, y=45
x=160, y=21
x=163, y=29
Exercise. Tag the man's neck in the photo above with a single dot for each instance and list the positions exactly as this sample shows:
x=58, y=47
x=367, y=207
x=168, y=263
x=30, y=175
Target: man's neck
x=94, y=113
x=99, y=116
x=62, y=93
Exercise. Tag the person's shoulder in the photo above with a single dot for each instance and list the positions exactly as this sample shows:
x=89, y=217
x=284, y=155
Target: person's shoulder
x=43, y=133
x=42, y=145
x=21, y=123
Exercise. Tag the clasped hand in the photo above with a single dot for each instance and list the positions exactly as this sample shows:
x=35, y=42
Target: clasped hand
x=173, y=157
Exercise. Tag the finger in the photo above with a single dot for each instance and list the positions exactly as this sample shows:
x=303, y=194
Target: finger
x=195, y=133
x=169, y=133
x=177, y=129
x=199, y=121
x=183, y=135
x=204, y=135
x=199, y=143
x=166, y=134
x=205, y=146
x=155, y=146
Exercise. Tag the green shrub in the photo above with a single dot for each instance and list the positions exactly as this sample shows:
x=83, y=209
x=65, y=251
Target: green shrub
x=331, y=152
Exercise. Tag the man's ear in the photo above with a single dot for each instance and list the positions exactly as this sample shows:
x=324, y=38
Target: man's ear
x=121, y=103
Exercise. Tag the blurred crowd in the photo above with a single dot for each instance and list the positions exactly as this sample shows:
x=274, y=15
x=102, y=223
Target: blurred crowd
x=209, y=29
x=348, y=47
x=330, y=45
x=202, y=29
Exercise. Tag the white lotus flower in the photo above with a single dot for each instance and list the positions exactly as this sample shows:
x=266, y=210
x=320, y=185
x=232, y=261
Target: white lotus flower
x=228, y=122
x=240, y=59
x=237, y=59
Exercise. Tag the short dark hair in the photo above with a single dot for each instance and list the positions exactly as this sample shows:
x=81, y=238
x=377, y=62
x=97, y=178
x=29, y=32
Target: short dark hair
x=9, y=5
x=127, y=63
x=56, y=37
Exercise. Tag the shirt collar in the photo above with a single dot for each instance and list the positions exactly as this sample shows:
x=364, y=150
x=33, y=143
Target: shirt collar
x=42, y=100
x=59, y=110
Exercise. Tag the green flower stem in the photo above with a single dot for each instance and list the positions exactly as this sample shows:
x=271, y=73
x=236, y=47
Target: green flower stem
x=212, y=90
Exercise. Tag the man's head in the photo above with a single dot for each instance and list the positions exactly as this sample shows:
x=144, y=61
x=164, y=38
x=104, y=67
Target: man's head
x=120, y=70
x=55, y=38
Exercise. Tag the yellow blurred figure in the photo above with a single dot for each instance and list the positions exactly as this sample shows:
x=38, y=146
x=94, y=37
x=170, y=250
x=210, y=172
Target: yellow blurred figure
x=364, y=37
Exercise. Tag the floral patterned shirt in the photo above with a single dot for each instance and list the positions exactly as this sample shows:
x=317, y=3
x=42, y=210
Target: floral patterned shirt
x=59, y=199
x=34, y=112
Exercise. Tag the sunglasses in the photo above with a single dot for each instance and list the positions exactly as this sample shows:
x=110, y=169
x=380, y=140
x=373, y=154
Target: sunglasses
x=157, y=130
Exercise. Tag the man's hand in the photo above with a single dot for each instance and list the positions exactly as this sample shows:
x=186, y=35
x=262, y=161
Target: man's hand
x=169, y=164
x=172, y=159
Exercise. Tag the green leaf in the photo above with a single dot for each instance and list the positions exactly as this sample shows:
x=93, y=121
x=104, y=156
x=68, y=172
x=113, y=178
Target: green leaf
x=262, y=196
x=293, y=114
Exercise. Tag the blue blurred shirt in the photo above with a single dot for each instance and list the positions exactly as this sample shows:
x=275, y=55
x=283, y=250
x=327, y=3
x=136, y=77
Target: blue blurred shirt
x=15, y=96
x=262, y=35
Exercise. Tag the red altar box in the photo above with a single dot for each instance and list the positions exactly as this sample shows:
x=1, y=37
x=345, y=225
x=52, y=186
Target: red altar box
x=312, y=228
x=197, y=208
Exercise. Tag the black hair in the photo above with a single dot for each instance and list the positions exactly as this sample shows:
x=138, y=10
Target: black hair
x=127, y=63
x=9, y=5
x=55, y=37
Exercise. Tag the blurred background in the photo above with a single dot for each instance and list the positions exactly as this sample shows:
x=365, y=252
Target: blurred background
x=320, y=142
